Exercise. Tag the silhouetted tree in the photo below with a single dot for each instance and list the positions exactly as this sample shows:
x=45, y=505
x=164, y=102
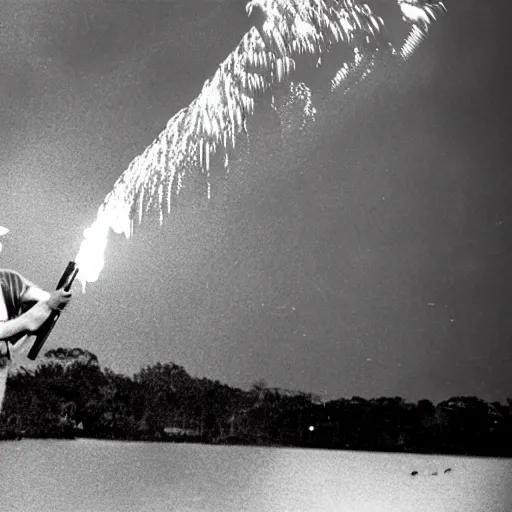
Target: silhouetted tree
x=68, y=394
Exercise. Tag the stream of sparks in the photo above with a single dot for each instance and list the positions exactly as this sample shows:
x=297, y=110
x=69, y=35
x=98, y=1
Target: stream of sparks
x=264, y=58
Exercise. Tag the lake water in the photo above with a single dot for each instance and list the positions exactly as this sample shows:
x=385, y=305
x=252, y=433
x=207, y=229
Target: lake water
x=111, y=476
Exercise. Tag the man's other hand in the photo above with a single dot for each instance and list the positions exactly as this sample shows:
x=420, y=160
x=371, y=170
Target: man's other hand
x=58, y=299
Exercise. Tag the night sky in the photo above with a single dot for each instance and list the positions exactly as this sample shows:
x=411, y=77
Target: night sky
x=372, y=261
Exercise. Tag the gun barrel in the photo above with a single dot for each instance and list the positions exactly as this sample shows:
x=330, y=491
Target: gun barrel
x=65, y=282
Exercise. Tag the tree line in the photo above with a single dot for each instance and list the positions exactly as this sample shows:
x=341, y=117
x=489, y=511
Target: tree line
x=70, y=395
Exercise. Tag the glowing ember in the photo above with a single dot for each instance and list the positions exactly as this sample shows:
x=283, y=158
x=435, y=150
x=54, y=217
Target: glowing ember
x=264, y=58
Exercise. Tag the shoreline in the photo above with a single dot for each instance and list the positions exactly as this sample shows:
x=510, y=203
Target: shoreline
x=255, y=445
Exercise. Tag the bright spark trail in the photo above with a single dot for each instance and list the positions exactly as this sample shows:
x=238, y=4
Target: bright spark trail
x=264, y=58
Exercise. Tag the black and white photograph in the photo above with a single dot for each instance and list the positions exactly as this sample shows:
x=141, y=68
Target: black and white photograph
x=255, y=256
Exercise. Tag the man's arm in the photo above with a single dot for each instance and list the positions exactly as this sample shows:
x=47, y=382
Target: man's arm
x=30, y=321
x=26, y=323
x=34, y=294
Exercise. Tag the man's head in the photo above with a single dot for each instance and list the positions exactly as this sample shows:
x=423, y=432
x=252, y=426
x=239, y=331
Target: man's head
x=3, y=231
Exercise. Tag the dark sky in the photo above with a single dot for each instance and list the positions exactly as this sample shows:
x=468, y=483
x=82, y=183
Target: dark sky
x=312, y=269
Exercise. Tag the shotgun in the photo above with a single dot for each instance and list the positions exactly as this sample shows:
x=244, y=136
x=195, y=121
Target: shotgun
x=65, y=281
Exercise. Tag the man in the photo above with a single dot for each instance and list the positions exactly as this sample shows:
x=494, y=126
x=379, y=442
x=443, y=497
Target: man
x=23, y=309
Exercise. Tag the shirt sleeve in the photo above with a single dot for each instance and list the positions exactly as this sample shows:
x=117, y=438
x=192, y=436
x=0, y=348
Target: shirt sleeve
x=15, y=286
